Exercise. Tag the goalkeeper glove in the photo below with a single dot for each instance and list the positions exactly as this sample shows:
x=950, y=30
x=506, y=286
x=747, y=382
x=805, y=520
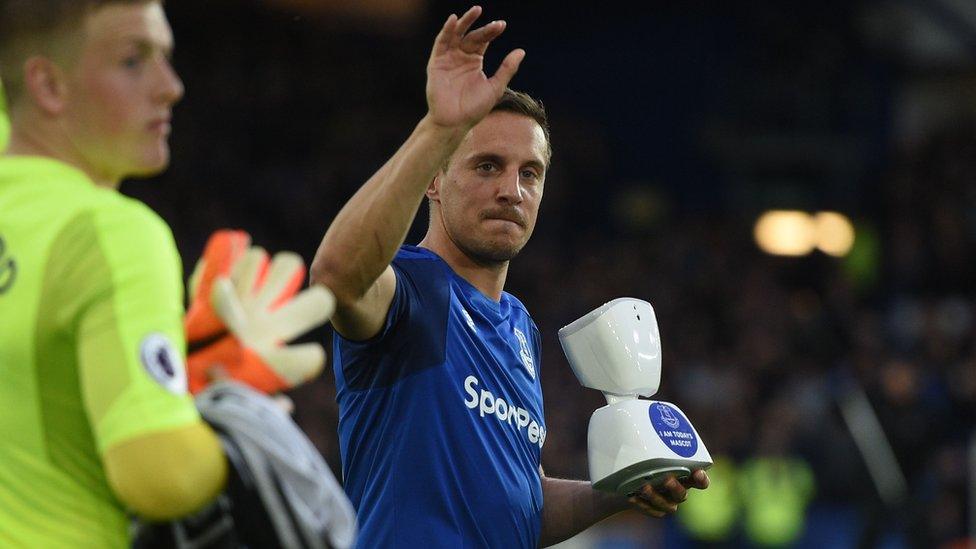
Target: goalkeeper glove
x=256, y=302
x=224, y=249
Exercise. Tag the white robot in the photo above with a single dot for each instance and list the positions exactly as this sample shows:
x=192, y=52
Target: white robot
x=617, y=350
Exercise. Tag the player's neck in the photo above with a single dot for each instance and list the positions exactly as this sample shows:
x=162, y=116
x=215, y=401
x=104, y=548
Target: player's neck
x=32, y=141
x=488, y=278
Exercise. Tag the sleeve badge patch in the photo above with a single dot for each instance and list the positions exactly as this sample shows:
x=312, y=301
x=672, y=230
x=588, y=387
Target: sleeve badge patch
x=163, y=363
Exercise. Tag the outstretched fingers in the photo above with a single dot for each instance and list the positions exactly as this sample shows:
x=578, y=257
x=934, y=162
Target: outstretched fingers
x=296, y=364
x=477, y=40
x=444, y=38
x=458, y=89
x=465, y=22
x=507, y=69
x=452, y=34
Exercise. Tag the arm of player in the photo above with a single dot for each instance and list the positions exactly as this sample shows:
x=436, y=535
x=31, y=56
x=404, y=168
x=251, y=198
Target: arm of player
x=161, y=460
x=168, y=474
x=571, y=506
x=354, y=257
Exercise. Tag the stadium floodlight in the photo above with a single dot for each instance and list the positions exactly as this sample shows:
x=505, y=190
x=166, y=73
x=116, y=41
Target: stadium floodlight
x=785, y=232
x=616, y=349
x=796, y=233
x=835, y=233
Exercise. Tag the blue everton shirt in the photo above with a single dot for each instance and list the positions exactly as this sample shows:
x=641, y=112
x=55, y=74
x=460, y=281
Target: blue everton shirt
x=440, y=416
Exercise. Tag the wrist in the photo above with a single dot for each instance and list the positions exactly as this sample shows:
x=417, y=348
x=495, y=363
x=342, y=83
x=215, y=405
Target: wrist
x=437, y=140
x=609, y=504
x=447, y=132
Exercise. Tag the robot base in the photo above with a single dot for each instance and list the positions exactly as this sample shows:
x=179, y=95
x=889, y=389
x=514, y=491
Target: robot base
x=629, y=480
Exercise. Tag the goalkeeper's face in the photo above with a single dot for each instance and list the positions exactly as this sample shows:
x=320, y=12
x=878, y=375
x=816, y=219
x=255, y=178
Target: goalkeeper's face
x=487, y=198
x=120, y=91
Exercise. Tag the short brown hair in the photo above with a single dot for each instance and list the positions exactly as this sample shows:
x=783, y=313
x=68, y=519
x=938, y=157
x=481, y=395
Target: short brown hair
x=30, y=27
x=522, y=103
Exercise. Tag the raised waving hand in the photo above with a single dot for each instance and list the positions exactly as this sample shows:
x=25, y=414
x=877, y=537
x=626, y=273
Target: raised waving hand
x=459, y=93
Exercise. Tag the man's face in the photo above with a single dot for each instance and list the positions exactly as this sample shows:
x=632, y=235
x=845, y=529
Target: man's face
x=121, y=89
x=488, y=197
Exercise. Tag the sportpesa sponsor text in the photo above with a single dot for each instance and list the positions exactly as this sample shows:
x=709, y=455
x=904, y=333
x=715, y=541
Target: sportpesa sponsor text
x=517, y=417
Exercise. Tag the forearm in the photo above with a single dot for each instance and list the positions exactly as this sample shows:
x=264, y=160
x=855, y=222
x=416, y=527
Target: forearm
x=365, y=236
x=571, y=506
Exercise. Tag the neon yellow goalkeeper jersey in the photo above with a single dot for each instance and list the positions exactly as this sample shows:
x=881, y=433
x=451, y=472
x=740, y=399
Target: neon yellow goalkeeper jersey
x=91, y=347
x=4, y=121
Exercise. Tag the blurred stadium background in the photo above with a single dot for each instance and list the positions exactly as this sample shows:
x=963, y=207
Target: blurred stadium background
x=675, y=127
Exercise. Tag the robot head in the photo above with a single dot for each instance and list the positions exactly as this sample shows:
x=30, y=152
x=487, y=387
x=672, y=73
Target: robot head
x=616, y=348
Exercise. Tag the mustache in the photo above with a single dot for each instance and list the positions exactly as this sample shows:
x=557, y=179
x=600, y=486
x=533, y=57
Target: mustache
x=508, y=214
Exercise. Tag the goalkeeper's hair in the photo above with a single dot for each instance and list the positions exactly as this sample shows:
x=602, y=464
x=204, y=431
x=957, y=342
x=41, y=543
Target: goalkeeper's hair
x=39, y=27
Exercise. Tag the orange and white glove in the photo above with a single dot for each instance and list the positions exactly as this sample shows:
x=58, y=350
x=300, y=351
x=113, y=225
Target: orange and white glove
x=224, y=249
x=245, y=310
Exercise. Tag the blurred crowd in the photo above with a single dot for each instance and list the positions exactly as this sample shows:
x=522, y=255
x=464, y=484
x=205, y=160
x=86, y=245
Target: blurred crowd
x=759, y=351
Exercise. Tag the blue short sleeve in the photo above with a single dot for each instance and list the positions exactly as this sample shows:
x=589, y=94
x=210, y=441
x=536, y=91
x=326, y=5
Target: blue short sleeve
x=412, y=339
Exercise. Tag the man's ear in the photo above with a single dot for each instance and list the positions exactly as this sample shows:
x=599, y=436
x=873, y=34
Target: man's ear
x=45, y=83
x=434, y=189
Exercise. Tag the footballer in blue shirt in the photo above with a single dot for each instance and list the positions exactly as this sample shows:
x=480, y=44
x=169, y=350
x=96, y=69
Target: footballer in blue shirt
x=441, y=422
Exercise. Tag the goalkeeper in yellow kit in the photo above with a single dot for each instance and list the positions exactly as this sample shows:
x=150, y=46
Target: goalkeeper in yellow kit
x=4, y=122
x=97, y=421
